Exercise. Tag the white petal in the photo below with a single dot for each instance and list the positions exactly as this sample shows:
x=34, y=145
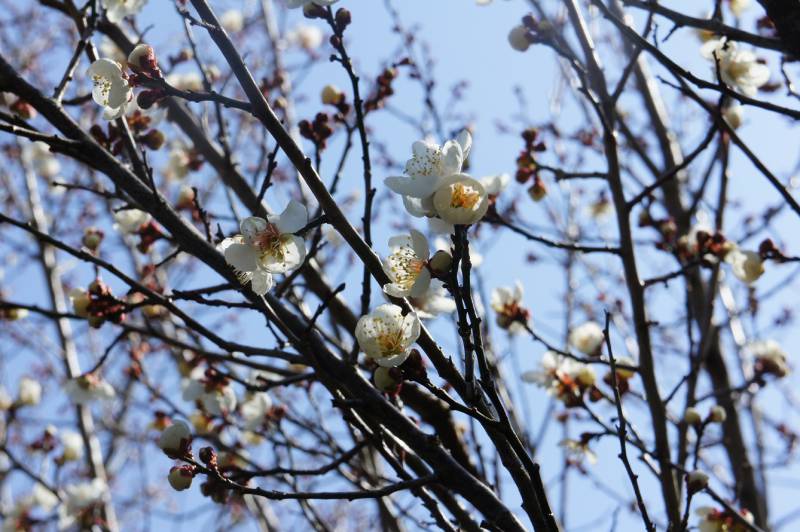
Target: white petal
x=421, y=284
x=293, y=218
x=243, y=257
x=453, y=158
x=415, y=186
x=261, y=282
x=420, y=245
x=419, y=207
x=464, y=140
x=251, y=227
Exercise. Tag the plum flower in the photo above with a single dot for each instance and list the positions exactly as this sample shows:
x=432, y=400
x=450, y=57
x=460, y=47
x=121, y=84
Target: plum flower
x=433, y=302
x=460, y=200
x=29, y=393
x=87, y=388
x=716, y=520
x=267, y=246
x=255, y=409
x=79, y=497
x=306, y=37
x=116, y=10
x=429, y=165
x=507, y=303
x=587, y=338
x=386, y=335
x=747, y=266
x=128, y=221
x=111, y=88
x=739, y=69
x=406, y=265
x=213, y=392
x=562, y=377
x=770, y=358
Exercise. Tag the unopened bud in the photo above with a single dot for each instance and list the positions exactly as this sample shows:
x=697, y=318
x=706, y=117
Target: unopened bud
x=692, y=417
x=331, y=95
x=388, y=380
x=440, y=262
x=180, y=477
x=154, y=139
x=343, y=18
x=717, y=415
x=518, y=38
x=586, y=376
x=92, y=237
x=538, y=191
x=143, y=57
x=696, y=481
x=175, y=439
x=312, y=10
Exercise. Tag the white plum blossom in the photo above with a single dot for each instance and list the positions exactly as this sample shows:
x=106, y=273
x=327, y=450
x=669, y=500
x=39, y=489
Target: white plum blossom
x=305, y=36
x=434, y=301
x=186, y=81
x=747, y=266
x=232, y=20
x=715, y=520
x=769, y=357
x=29, y=392
x=429, y=165
x=292, y=4
x=587, y=338
x=217, y=399
x=495, y=184
x=733, y=114
x=386, y=335
x=406, y=265
x=128, y=221
x=111, y=88
x=562, y=377
x=255, y=409
x=178, y=162
x=72, y=446
x=269, y=245
x=507, y=303
x=116, y=10
x=460, y=200
x=88, y=388
x=739, y=69
x=78, y=497
x=38, y=155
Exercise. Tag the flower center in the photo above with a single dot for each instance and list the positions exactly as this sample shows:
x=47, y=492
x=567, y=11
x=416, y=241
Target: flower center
x=270, y=242
x=390, y=342
x=464, y=196
x=405, y=266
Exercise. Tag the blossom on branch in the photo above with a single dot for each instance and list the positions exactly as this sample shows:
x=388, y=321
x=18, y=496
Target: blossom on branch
x=111, y=88
x=407, y=265
x=386, y=335
x=739, y=69
x=116, y=10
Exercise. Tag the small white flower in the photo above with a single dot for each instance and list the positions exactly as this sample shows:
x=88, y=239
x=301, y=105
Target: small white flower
x=587, y=338
x=429, y=165
x=507, y=303
x=111, y=88
x=562, y=377
x=175, y=438
x=386, y=335
x=269, y=245
x=29, y=393
x=460, y=200
x=78, y=497
x=232, y=20
x=87, y=388
x=38, y=155
x=770, y=357
x=72, y=446
x=406, y=265
x=747, y=266
x=128, y=221
x=292, y=4
x=740, y=69
x=255, y=410
x=186, y=81
x=220, y=401
x=178, y=162
x=495, y=184
x=305, y=36
x=434, y=301
x=116, y=10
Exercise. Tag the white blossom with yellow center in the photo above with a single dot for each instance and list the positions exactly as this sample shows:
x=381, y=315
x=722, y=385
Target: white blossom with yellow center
x=267, y=246
x=386, y=335
x=110, y=88
x=739, y=69
x=460, y=200
x=587, y=338
x=406, y=265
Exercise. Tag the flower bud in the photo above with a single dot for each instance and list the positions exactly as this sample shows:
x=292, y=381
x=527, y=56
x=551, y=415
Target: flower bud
x=733, y=115
x=92, y=237
x=440, y=262
x=176, y=439
x=14, y=314
x=717, y=415
x=180, y=477
x=331, y=95
x=696, y=481
x=538, y=191
x=692, y=417
x=143, y=57
x=518, y=38
x=30, y=392
x=154, y=139
x=388, y=380
x=623, y=373
x=586, y=376
x=312, y=10
x=343, y=18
